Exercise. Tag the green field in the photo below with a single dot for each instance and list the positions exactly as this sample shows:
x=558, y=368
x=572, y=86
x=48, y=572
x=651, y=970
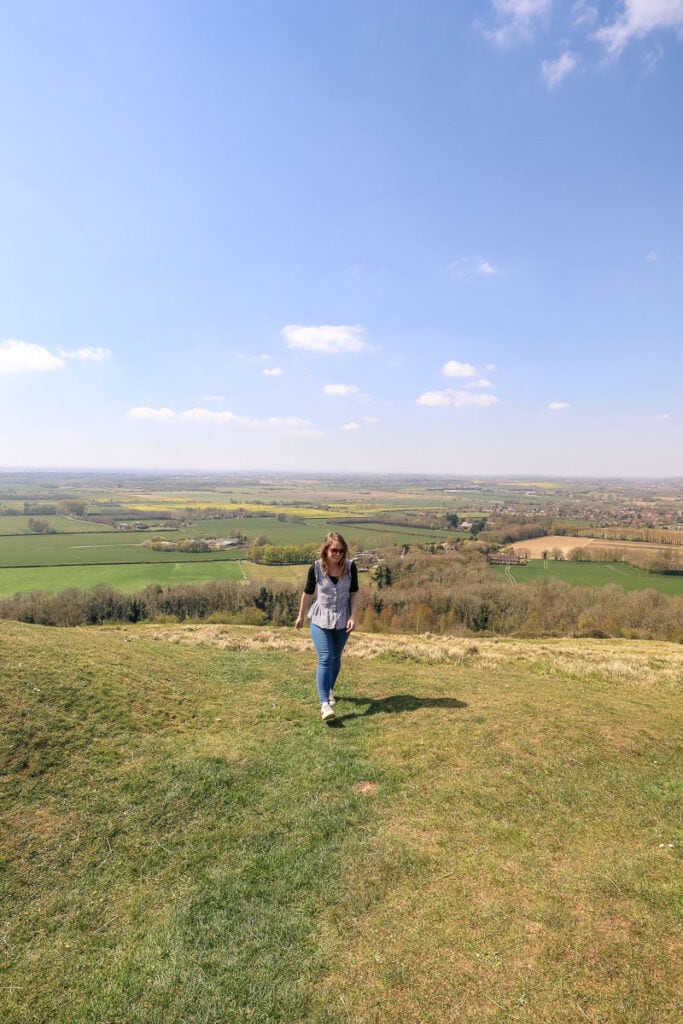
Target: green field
x=13, y=525
x=128, y=578
x=489, y=833
x=590, y=574
x=91, y=549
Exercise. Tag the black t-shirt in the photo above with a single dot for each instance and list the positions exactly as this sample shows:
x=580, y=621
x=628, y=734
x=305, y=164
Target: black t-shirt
x=310, y=580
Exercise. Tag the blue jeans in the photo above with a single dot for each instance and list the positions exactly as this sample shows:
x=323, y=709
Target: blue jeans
x=329, y=644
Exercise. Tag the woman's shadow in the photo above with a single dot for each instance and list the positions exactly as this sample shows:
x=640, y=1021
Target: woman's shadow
x=397, y=704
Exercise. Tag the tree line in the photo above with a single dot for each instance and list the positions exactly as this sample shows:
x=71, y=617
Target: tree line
x=449, y=593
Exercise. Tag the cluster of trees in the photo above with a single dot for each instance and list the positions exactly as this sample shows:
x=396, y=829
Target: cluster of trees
x=648, y=559
x=455, y=593
x=644, y=535
x=281, y=554
x=40, y=526
x=38, y=509
x=511, y=529
x=189, y=545
x=72, y=507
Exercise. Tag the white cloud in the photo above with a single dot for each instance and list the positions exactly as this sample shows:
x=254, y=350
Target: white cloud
x=144, y=412
x=637, y=19
x=455, y=369
x=326, y=338
x=584, y=13
x=490, y=367
x=486, y=267
x=459, y=399
x=94, y=355
x=22, y=357
x=653, y=57
x=664, y=416
x=553, y=71
x=515, y=20
x=370, y=419
x=275, y=371
x=555, y=406
x=340, y=389
x=651, y=256
x=350, y=426
x=198, y=415
x=467, y=268
x=481, y=383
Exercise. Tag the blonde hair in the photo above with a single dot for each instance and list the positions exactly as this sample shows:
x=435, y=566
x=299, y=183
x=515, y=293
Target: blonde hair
x=334, y=538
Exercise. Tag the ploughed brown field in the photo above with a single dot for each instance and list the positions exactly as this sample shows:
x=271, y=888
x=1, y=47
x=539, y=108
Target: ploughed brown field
x=537, y=545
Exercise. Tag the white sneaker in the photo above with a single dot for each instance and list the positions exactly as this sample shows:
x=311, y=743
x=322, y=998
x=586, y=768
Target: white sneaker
x=333, y=700
x=327, y=712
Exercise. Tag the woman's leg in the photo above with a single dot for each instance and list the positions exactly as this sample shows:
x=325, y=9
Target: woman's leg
x=338, y=640
x=324, y=647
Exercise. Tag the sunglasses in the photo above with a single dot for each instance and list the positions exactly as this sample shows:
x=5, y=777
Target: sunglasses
x=336, y=551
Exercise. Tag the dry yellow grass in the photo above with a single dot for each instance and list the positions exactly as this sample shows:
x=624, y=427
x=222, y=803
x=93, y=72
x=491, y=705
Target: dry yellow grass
x=615, y=660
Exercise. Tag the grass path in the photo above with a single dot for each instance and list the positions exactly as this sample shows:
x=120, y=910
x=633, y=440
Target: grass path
x=488, y=834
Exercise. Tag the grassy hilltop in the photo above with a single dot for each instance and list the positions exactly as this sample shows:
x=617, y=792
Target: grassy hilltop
x=487, y=835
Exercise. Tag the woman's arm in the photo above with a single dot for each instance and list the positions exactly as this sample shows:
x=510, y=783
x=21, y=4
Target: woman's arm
x=306, y=597
x=354, y=598
x=306, y=602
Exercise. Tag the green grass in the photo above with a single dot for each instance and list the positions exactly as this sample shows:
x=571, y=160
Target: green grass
x=591, y=574
x=128, y=578
x=488, y=834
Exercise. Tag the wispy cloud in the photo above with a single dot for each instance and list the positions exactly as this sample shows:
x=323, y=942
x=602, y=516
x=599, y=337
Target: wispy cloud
x=214, y=398
x=515, y=20
x=651, y=256
x=481, y=383
x=664, y=416
x=557, y=406
x=351, y=426
x=653, y=57
x=370, y=419
x=554, y=71
x=22, y=357
x=274, y=371
x=198, y=415
x=340, y=389
x=467, y=268
x=459, y=399
x=637, y=19
x=455, y=369
x=584, y=13
x=91, y=354
x=329, y=338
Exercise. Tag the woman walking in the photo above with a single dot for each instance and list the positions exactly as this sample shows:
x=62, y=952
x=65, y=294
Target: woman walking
x=335, y=578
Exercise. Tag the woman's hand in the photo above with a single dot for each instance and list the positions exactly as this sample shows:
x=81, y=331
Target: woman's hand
x=299, y=622
x=350, y=625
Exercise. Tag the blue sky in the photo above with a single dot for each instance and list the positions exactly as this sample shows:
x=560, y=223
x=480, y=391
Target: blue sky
x=378, y=235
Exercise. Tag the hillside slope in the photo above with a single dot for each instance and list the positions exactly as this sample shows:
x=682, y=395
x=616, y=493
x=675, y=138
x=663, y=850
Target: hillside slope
x=488, y=834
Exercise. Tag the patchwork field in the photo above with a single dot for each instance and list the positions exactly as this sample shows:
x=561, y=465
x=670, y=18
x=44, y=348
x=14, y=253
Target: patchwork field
x=100, y=554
